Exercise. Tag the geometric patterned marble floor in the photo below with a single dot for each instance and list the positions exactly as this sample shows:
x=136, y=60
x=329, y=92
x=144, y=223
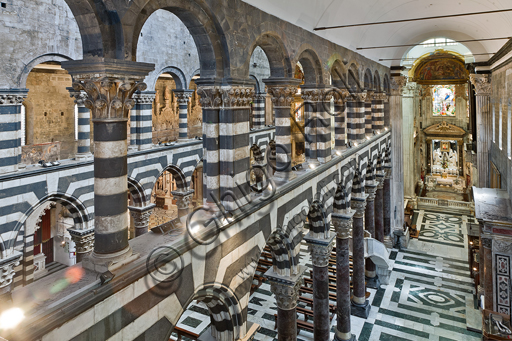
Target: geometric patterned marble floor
x=428, y=297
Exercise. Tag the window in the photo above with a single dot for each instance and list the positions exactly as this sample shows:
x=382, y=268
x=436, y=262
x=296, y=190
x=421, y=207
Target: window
x=509, y=131
x=443, y=100
x=23, y=124
x=76, y=122
x=500, y=128
x=439, y=42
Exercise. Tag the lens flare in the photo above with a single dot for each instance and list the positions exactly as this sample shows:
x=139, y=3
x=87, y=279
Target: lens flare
x=11, y=318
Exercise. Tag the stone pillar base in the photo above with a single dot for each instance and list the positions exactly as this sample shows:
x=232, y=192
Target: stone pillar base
x=84, y=157
x=352, y=337
x=360, y=310
x=373, y=282
x=108, y=262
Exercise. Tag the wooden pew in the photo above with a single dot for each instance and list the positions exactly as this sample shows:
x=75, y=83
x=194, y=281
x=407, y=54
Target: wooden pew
x=183, y=333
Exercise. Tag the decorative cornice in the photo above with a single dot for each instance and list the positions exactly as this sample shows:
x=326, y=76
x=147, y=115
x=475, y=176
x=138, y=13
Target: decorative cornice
x=84, y=243
x=358, y=97
x=12, y=96
x=282, y=95
x=7, y=266
x=444, y=129
x=144, y=97
x=380, y=96
x=320, y=254
x=396, y=84
x=482, y=84
x=286, y=295
x=317, y=95
x=343, y=225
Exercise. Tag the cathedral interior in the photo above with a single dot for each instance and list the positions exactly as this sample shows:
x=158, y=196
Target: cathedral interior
x=239, y=170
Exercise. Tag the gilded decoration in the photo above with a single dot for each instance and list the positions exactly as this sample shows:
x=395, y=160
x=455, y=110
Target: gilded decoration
x=440, y=68
x=444, y=129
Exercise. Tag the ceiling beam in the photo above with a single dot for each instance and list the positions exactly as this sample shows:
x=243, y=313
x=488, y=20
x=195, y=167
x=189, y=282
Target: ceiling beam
x=420, y=44
x=474, y=54
x=413, y=19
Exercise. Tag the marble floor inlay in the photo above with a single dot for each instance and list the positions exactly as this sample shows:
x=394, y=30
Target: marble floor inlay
x=429, y=294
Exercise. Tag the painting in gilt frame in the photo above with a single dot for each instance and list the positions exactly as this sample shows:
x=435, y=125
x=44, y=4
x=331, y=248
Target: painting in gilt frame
x=440, y=68
x=443, y=100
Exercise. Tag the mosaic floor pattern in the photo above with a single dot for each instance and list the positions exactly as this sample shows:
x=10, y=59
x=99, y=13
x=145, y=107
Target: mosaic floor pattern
x=428, y=297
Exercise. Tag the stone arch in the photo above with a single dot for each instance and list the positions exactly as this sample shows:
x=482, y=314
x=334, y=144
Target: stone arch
x=178, y=175
x=277, y=55
x=76, y=208
x=176, y=73
x=257, y=85
x=285, y=251
x=339, y=74
x=353, y=78
x=95, y=36
x=137, y=192
x=385, y=84
x=317, y=219
x=206, y=31
x=376, y=82
x=47, y=57
x=368, y=80
x=311, y=65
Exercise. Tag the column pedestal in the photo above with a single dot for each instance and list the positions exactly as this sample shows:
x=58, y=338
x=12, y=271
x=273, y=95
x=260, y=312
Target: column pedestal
x=343, y=225
x=320, y=254
x=286, y=291
x=360, y=305
x=140, y=217
x=84, y=242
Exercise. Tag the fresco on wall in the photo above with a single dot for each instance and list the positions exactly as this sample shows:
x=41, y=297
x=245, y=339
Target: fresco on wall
x=440, y=68
x=443, y=100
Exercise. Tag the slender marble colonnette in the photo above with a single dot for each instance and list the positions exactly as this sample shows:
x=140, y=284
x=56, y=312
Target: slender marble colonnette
x=83, y=150
x=258, y=111
x=379, y=209
x=183, y=96
x=486, y=241
x=369, y=223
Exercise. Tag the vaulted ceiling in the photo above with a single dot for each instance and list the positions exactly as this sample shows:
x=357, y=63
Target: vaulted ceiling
x=309, y=14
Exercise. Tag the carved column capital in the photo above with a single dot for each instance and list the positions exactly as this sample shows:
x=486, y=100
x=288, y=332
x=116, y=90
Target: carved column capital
x=343, y=224
x=359, y=206
x=320, y=254
x=182, y=95
x=12, y=96
x=358, y=96
x=370, y=189
x=79, y=96
x=397, y=83
x=83, y=239
x=380, y=96
x=340, y=95
x=369, y=95
x=282, y=90
x=7, y=266
x=183, y=198
x=285, y=288
x=482, y=84
x=261, y=96
x=226, y=96
x=141, y=215
x=486, y=242
x=146, y=97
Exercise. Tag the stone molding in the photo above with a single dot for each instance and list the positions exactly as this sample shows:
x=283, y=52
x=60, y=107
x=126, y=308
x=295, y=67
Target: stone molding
x=7, y=266
x=396, y=84
x=342, y=225
x=141, y=215
x=282, y=95
x=502, y=245
x=359, y=206
x=183, y=96
x=358, y=96
x=482, y=83
x=340, y=96
x=144, y=97
x=261, y=96
x=320, y=249
x=286, y=295
x=317, y=95
x=183, y=199
x=12, y=97
x=226, y=96
x=380, y=96
x=369, y=95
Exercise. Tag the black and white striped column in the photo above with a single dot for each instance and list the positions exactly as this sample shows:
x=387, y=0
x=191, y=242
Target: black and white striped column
x=340, y=114
x=83, y=150
x=183, y=97
x=378, y=111
x=10, y=128
x=368, y=114
x=282, y=92
x=323, y=130
x=356, y=117
x=258, y=111
x=310, y=97
x=141, y=121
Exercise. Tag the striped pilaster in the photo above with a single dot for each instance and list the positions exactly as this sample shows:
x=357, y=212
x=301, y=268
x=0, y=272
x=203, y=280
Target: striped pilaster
x=10, y=128
x=368, y=114
x=183, y=96
x=340, y=114
x=311, y=98
x=234, y=145
x=387, y=121
x=141, y=121
x=282, y=92
x=258, y=111
x=83, y=150
x=378, y=111
x=356, y=117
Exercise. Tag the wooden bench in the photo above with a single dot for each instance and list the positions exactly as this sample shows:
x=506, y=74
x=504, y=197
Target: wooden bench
x=183, y=333
x=332, y=287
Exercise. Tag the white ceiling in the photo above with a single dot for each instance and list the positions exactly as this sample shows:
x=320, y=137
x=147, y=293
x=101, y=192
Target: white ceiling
x=309, y=14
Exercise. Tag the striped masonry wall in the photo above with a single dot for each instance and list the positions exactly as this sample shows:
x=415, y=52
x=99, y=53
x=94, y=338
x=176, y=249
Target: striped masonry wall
x=356, y=117
x=378, y=111
x=258, y=111
x=183, y=97
x=10, y=128
x=323, y=133
x=310, y=130
x=340, y=112
x=141, y=121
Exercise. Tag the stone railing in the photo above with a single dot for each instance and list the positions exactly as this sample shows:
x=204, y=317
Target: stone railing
x=441, y=203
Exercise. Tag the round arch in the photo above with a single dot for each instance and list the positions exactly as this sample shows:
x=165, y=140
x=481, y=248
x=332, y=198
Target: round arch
x=311, y=64
x=376, y=81
x=48, y=57
x=177, y=174
x=176, y=73
x=277, y=55
x=368, y=80
x=210, y=41
x=339, y=74
x=137, y=192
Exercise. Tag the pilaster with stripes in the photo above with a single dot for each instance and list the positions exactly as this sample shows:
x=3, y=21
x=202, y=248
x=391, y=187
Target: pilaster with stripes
x=110, y=85
x=258, y=111
x=183, y=97
x=340, y=112
x=356, y=117
x=282, y=91
x=311, y=98
x=83, y=150
x=10, y=128
x=378, y=111
x=368, y=114
x=141, y=121
x=323, y=130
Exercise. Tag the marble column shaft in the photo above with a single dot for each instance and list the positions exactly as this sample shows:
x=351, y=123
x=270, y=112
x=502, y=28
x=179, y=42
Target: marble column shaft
x=183, y=97
x=358, y=271
x=379, y=210
x=386, y=203
x=356, y=117
x=343, y=226
x=483, y=92
x=368, y=114
x=83, y=150
x=369, y=225
x=488, y=287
